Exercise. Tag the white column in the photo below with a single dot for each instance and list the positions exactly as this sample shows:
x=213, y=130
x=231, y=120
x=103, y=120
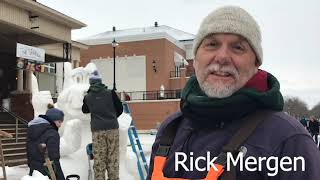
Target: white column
x=20, y=80
x=29, y=81
x=59, y=76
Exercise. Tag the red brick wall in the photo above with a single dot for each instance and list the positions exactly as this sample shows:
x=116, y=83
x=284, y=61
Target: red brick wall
x=21, y=105
x=160, y=50
x=147, y=114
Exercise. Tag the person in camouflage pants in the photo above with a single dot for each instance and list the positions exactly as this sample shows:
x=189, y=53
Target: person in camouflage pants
x=106, y=154
x=105, y=107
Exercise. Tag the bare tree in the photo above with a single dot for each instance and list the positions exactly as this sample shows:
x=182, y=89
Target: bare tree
x=315, y=111
x=295, y=107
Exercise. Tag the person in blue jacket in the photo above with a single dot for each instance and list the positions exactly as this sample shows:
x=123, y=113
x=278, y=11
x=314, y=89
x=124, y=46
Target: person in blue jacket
x=44, y=129
x=228, y=88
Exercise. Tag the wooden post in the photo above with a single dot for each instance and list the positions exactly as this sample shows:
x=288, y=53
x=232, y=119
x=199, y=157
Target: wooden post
x=3, y=134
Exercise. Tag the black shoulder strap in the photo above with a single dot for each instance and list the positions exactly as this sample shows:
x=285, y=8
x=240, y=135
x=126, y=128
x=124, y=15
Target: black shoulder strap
x=167, y=138
x=250, y=123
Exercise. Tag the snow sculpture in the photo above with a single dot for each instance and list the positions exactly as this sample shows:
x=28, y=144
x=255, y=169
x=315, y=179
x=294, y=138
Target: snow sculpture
x=126, y=171
x=35, y=176
x=76, y=83
x=41, y=99
x=76, y=124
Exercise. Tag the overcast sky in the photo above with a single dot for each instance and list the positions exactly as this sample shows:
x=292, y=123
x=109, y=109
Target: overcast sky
x=290, y=30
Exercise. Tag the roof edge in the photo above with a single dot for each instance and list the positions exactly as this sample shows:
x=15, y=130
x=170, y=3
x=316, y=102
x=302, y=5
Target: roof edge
x=79, y=45
x=133, y=38
x=47, y=12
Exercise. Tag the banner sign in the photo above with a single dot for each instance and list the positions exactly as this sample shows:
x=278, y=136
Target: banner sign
x=31, y=53
x=31, y=66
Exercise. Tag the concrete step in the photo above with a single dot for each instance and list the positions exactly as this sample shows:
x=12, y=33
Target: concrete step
x=13, y=129
x=20, y=134
x=13, y=145
x=15, y=156
x=15, y=162
x=22, y=131
x=13, y=140
x=14, y=150
x=12, y=124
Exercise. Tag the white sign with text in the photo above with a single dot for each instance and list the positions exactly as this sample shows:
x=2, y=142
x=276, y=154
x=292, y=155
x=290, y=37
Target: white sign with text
x=30, y=52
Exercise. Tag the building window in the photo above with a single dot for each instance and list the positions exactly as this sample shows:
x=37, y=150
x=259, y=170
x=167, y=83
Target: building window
x=50, y=67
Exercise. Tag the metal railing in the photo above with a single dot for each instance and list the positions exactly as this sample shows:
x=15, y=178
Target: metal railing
x=17, y=118
x=155, y=95
x=175, y=74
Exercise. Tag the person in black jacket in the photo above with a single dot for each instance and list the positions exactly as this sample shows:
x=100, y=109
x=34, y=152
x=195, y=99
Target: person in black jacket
x=304, y=122
x=314, y=128
x=105, y=107
x=44, y=129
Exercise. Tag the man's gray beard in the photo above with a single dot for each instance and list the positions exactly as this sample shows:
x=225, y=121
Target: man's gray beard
x=221, y=91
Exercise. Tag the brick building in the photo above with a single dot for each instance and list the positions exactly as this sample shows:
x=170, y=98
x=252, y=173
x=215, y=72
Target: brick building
x=152, y=65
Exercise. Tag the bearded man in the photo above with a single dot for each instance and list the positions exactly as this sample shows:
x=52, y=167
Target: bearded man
x=232, y=106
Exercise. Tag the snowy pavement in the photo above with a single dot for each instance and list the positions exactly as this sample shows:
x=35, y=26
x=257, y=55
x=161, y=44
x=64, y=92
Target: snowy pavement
x=76, y=163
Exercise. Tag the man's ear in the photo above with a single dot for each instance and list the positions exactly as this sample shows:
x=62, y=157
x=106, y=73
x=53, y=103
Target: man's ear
x=257, y=63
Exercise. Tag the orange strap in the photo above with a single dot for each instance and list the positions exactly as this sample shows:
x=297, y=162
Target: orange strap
x=160, y=161
x=213, y=174
x=157, y=174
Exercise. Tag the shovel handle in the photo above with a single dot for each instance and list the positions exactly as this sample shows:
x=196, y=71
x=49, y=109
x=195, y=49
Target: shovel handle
x=44, y=150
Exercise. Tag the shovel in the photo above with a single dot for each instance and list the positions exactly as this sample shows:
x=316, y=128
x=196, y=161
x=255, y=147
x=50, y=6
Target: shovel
x=44, y=150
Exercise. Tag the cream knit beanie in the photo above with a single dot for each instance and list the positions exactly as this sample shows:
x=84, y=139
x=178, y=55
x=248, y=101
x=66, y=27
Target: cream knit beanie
x=231, y=19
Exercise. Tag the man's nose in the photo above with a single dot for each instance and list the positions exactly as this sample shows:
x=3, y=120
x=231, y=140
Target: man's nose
x=223, y=56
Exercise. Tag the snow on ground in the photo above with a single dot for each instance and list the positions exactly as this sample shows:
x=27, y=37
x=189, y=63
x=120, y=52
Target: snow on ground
x=76, y=163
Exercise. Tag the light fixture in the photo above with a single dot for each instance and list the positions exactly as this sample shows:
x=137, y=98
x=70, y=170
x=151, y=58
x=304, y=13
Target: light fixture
x=154, y=67
x=114, y=45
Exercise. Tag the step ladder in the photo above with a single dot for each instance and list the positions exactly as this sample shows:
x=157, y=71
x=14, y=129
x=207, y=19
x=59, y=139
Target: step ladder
x=136, y=146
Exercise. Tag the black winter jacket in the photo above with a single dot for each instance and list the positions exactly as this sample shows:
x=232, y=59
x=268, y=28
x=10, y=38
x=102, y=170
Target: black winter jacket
x=104, y=106
x=279, y=135
x=314, y=127
x=40, y=130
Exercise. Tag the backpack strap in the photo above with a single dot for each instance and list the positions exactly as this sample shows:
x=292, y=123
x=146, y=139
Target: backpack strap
x=166, y=141
x=168, y=136
x=250, y=124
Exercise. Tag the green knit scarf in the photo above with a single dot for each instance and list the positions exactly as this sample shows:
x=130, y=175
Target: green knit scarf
x=205, y=111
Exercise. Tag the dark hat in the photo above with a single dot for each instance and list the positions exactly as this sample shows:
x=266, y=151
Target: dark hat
x=54, y=114
x=95, y=77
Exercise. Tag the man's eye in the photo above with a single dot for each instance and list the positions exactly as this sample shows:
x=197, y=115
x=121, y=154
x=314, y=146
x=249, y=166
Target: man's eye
x=238, y=48
x=212, y=44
